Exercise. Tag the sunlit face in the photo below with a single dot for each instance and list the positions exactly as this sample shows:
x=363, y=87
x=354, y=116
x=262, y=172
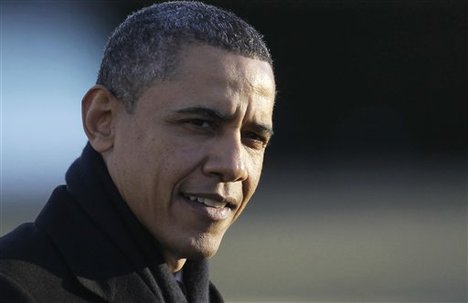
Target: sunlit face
x=189, y=157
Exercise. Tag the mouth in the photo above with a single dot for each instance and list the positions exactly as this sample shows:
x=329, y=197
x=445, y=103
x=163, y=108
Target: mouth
x=213, y=206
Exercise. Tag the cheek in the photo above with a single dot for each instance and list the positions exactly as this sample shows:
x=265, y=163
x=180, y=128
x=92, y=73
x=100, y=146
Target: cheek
x=177, y=161
x=255, y=169
x=249, y=188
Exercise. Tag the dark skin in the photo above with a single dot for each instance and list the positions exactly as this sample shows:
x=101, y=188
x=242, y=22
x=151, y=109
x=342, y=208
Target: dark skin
x=188, y=158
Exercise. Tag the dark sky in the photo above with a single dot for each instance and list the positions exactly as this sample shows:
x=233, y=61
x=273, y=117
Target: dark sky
x=372, y=76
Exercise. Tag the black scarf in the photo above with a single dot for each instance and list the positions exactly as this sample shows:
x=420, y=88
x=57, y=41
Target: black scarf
x=88, y=177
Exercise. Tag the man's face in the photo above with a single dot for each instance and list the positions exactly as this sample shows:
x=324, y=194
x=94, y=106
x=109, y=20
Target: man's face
x=189, y=157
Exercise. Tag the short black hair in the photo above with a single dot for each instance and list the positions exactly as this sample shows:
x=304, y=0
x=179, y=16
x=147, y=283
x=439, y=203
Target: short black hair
x=145, y=47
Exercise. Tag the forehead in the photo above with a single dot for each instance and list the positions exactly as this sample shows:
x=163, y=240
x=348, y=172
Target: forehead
x=222, y=75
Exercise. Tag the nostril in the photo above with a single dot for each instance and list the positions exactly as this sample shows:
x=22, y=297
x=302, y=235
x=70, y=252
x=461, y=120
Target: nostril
x=226, y=170
x=226, y=160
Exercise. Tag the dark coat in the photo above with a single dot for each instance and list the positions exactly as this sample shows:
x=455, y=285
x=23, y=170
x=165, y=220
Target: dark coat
x=87, y=246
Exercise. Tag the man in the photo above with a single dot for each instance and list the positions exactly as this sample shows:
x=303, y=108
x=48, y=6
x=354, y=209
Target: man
x=177, y=125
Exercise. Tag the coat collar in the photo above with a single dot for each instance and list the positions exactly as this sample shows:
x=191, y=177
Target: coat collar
x=105, y=246
x=99, y=265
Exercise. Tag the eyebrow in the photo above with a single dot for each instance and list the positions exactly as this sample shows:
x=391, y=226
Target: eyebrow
x=206, y=112
x=220, y=117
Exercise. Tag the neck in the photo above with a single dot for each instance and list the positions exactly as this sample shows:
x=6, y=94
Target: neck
x=175, y=264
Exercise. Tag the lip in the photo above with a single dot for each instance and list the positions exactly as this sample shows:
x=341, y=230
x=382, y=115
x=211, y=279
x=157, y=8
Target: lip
x=210, y=212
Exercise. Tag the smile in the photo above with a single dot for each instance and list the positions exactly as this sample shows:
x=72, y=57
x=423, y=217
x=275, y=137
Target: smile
x=208, y=202
x=211, y=206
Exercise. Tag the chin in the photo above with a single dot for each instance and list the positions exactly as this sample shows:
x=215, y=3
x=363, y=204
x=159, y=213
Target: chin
x=202, y=247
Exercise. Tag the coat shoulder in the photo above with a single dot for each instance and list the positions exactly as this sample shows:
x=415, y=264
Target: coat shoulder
x=23, y=242
x=26, y=256
x=31, y=266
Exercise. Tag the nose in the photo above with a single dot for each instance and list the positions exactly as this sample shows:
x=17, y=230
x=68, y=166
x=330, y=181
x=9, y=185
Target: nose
x=226, y=159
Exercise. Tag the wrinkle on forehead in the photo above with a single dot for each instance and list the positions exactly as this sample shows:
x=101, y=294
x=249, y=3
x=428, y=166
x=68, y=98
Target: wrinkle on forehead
x=250, y=75
x=256, y=79
x=215, y=74
x=261, y=90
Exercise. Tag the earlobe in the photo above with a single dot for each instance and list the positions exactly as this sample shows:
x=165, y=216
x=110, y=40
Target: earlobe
x=98, y=109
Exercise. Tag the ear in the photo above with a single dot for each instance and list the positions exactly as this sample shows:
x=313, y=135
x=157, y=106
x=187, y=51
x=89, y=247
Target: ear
x=98, y=110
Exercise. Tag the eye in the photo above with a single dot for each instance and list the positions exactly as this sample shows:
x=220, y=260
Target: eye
x=200, y=124
x=255, y=140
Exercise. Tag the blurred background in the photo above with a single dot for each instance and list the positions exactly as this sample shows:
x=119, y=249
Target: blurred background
x=364, y=192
